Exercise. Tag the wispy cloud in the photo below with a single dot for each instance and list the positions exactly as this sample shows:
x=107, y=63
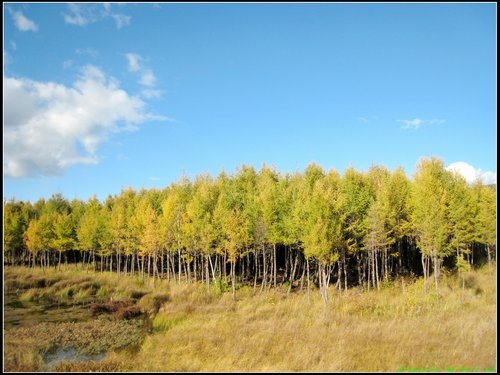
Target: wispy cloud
x=79, y=15
x=87, y=51
x=366, y=119
x=471, y=174
x=6, y=58
x=147, y=77
x=83, y=14
x=416, y=123
x=121, y=20
x=133, y=62
x=49, y=127
x=22, y=22
x=67, y=64
x=151, y=93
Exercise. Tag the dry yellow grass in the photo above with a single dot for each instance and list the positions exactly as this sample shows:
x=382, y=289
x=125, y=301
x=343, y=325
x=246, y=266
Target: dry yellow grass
x=388, y=330
x=398, y=328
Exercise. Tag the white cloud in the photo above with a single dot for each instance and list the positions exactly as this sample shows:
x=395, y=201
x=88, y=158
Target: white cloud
x=367, y=119
x=87, y=51
x=23, y=23
x=82, y=14
x=13, y=45
x=49, y=127
x=416, y=123
x=471, y=174
x=151, y=93
x=411, y=124
x=79, y=15
x=147, y=78
x=121, y=20
x=67, y=64
x=6, y=58
x=133, y=62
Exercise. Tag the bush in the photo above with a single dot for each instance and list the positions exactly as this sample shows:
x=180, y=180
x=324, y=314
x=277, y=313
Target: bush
x=128, y=312
x=108, y=307
x=153, y=302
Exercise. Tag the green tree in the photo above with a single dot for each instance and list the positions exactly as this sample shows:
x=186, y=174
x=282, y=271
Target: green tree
x=380, y=225
x=358, y=195
x=462, y=216
x=232, y=235
x=149, y=239
x=33, y=240
x=64, y=234
x=270, y=217
x=198, y=226
x=87, y=231
x=172, y=221
x=486, y=219
x=118, y=221
x=430, y=200
x=399, y=211
x=322, y=239
x=15, y=223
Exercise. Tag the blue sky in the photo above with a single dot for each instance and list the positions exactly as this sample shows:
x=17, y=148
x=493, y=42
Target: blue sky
x=99, y=97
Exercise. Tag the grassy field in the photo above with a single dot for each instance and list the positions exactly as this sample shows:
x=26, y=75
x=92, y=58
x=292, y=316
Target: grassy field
x=397, y=328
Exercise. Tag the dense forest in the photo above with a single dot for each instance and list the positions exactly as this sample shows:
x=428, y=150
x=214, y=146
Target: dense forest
x=265, y=229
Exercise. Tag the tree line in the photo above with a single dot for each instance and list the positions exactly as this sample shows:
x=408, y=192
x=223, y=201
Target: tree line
x=266, y=229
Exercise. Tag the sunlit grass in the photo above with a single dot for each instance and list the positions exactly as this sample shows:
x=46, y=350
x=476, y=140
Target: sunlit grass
x=399, y=326
x=73, y=283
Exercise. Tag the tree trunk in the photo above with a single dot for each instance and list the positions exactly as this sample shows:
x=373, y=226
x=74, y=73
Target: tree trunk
x=308, y=283
x=489, y=258
x=180, y=269
x=232, y=279
x=274, y=265
x=302, y=276
x=344, y=266
x=294, y=268
x=374, y=274
x=207, y=274
x=211, y=267
x=424, y=268
x=256, y=273
x=358, y=266
x=264, y=274
x=436, y=275
x=118, y=263
x=386, y=268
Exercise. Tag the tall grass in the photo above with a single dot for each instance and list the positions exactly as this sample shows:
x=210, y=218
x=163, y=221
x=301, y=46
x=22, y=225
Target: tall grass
x=73, y=283
x=396, y=328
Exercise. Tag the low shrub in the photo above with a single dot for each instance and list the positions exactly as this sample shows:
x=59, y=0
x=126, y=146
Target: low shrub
x=109, y=307
x=127, y=312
